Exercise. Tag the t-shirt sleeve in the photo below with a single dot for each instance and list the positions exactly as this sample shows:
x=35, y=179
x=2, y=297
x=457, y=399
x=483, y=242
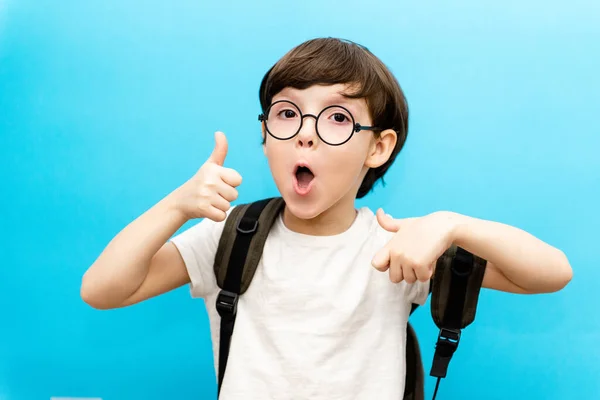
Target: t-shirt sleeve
x=198, y=247
x=417, y=293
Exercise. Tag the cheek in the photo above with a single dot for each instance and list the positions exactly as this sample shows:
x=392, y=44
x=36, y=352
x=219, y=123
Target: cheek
x=278, y=156
x=346, y=163
x=275, y=149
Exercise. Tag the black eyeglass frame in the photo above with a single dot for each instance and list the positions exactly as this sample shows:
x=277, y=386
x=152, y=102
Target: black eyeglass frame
x=356, y=126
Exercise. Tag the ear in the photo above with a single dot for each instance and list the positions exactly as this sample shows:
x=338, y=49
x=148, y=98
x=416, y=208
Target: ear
x=381, y=148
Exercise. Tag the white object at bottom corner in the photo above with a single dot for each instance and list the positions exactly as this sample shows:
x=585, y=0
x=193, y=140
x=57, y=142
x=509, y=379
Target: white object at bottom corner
x=75, y=398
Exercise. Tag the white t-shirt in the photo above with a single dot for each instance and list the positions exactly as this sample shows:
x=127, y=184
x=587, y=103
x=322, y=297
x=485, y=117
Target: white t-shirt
x=317, y=322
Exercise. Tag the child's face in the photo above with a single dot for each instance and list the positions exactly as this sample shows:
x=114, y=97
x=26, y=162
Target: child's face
x=332, y=174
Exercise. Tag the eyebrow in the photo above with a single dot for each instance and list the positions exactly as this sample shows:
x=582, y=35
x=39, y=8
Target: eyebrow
x=337, y=98
x=340, y=99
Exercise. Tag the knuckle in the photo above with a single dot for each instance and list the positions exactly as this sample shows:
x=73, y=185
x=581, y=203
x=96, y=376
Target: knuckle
x=210, y=183
x=201, y=209
x=410, y=262
x=418, y=263
x=396, y=253
x=205, y=191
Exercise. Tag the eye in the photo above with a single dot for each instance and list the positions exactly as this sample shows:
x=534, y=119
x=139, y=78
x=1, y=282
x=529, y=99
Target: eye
x=287, y=113
x=339, y=117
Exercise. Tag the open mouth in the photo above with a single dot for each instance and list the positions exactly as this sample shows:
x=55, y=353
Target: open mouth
x=304, y=177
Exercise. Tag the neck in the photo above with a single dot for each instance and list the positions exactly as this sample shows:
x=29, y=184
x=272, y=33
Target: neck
x=335, y=220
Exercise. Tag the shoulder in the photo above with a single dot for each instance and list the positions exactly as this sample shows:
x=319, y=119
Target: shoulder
x=379, y=237
x=376, y=231
x=198, y=245
x=207, y=229
x=204, y=229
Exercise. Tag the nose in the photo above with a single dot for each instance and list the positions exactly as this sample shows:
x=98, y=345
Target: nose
x=307, y=137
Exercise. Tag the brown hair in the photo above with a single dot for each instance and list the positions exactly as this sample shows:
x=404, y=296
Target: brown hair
x=332, y=61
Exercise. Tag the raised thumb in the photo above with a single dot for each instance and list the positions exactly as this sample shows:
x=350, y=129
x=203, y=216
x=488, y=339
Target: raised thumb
x=387, y=222
x=220, y=151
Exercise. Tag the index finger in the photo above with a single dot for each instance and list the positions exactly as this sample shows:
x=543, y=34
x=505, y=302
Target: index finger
x=381, y=260
x=231, y=177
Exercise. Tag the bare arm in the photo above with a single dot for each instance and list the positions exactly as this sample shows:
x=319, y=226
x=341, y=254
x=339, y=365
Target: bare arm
x=139, y=263
x=517, y=261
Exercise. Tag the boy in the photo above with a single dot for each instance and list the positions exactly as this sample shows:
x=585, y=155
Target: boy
x=326, y=314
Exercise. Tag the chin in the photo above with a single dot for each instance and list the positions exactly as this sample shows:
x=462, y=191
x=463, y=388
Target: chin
x=304, y=210
x=311, y=203
x=304, y=207
x=308, y=207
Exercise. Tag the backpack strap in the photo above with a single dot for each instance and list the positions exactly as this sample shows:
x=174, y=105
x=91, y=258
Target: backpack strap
x=455, y=291
x=239, y=251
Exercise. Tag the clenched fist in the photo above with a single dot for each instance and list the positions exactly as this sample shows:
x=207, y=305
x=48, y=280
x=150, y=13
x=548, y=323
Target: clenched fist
x=210, y=191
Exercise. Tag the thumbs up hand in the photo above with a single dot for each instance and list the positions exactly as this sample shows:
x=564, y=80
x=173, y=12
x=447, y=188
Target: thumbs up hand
x=209, y=192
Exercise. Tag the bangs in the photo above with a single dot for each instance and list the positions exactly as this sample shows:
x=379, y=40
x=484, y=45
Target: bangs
x=326, y=62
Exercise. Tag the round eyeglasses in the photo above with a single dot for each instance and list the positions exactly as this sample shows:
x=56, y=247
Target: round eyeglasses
x=335, y=125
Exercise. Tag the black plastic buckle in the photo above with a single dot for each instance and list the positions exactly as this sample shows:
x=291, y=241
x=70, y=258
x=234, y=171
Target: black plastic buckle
x=227, y=303
x=445, y=347
x=247, y=225
x=449, y=336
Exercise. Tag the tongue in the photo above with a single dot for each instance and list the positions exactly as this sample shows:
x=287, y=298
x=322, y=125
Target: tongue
x=304, y=178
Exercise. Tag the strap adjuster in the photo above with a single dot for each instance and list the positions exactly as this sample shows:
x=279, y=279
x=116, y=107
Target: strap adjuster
x=445, y=347
x=449, y=336
x=226, y=303
x=247, y=225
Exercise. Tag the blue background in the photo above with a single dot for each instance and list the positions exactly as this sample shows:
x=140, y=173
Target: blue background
x=107, y=106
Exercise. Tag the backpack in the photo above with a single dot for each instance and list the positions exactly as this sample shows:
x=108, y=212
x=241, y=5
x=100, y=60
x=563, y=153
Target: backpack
x=454, y=290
